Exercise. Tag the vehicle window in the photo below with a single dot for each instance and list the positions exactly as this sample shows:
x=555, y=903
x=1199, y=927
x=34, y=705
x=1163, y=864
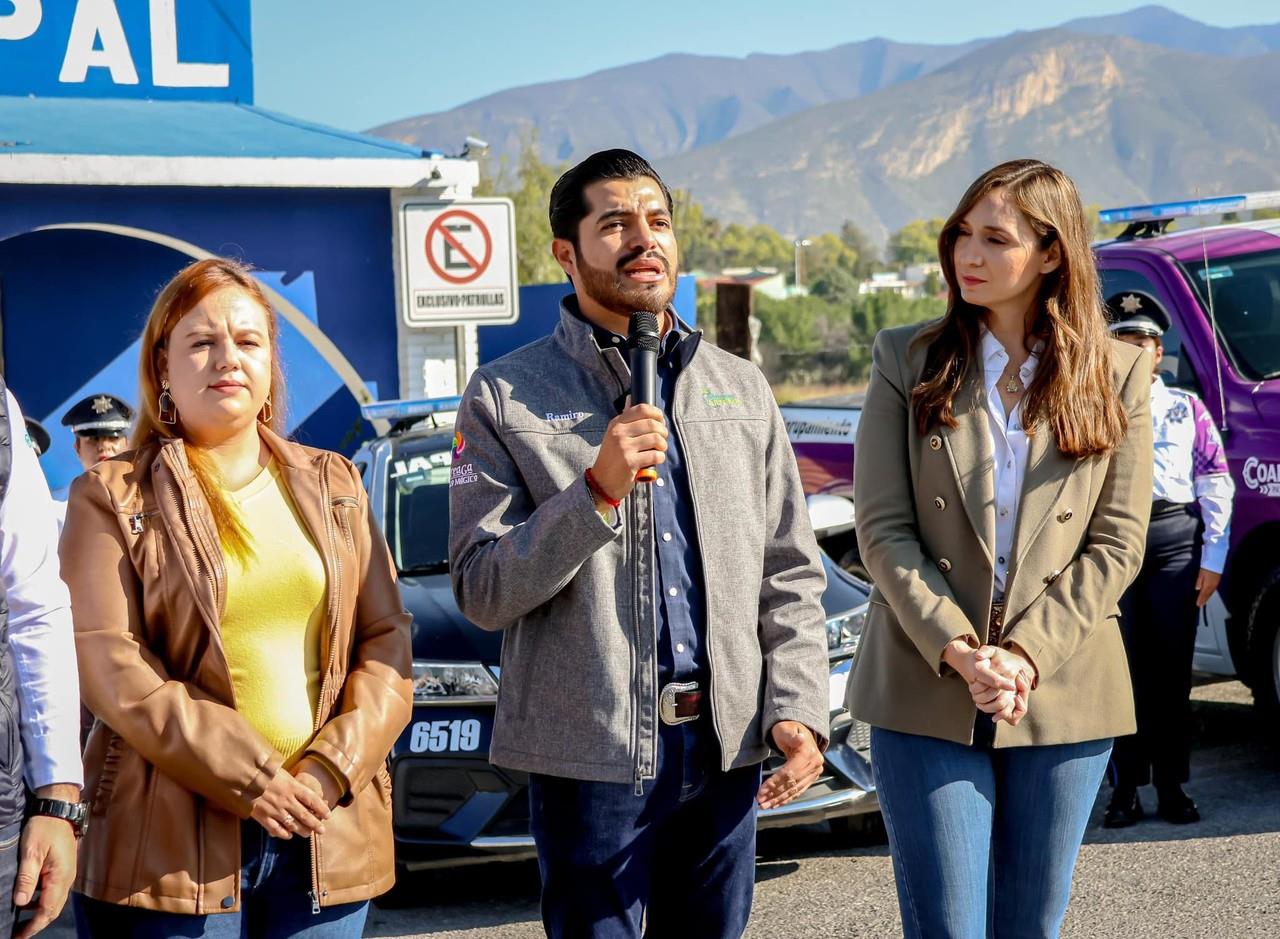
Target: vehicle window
x=1245, y=290
x=1174, y=367
x=417, y=515
x=362, y=467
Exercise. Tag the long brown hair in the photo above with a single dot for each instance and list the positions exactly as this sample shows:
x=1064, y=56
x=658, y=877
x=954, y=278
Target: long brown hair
x=1072, y=390
x=178, y=298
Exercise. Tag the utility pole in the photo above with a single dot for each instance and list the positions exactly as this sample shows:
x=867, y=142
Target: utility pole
x=733, y=319
x=800, y=245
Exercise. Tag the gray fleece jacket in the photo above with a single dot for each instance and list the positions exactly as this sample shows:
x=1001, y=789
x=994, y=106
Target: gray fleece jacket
x=578, y=695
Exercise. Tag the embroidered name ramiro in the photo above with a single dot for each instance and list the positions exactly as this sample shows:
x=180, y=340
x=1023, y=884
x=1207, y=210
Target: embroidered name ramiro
x=566, y=416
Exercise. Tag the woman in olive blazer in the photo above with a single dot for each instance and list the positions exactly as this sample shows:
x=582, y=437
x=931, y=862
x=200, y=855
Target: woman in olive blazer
x=1003, y=487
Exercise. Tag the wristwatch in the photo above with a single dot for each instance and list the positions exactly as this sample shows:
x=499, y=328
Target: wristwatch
x=77, y=813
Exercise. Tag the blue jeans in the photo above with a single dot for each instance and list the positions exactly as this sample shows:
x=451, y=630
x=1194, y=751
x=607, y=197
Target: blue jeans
x=984, y=841
x=681, y=856
x=275, y=901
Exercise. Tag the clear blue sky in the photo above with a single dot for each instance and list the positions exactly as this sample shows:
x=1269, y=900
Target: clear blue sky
x=359, y=65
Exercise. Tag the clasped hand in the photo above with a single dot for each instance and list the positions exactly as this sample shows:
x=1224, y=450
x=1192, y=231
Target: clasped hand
x=999, y=680
x=296, y=802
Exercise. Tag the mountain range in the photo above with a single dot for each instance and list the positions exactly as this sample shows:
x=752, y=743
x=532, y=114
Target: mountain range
x=1141, y=105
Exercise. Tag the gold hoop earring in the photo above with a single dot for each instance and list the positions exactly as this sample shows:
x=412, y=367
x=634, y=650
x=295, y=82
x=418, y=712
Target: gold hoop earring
x=265, y=414
x=168, y=410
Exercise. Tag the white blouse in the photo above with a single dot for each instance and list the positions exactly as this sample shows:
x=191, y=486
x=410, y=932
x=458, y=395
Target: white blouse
x=1008, y=446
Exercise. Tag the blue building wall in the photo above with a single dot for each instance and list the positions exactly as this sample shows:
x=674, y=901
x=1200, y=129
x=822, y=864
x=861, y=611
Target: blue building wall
x=72, y=303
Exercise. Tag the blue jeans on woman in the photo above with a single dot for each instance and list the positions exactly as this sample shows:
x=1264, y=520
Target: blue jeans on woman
x=984, y=841
x=275, y=902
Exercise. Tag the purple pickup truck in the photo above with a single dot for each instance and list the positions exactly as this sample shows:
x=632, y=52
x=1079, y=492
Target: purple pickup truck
x=1221, y=286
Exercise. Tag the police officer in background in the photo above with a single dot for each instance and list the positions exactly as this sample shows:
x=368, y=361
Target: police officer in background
x=101, y=424
x=1186, y=550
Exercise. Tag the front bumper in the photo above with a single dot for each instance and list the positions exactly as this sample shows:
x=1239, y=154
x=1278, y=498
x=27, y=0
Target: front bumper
x=451, y=811
x=459, y=809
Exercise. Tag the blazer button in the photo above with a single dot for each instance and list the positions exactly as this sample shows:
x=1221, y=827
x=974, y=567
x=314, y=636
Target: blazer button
x=935, y=442
x=228, y=902
x=940, y=502
x=944, y=565
x=1065, y=516
x=1052, y=576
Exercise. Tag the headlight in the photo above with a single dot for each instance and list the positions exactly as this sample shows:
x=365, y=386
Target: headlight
x=844, y=631
x=452, y=682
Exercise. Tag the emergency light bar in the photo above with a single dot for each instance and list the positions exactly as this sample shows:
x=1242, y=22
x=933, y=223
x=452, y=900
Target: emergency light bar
x=1245, y=202
x=406, y=409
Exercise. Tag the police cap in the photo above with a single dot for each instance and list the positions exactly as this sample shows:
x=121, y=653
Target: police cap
x=100, y=415
x=1133, y=311
x=39, y=437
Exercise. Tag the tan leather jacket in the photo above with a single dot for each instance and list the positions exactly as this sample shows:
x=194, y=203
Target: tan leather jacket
x=171, y=766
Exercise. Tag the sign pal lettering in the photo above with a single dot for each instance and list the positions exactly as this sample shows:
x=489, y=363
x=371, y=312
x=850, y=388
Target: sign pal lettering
x=168, y=49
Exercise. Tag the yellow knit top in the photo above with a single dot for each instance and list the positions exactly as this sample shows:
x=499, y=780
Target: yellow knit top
x=274, y=617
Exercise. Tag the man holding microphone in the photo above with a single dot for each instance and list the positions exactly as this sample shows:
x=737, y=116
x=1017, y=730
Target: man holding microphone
x=659, y=636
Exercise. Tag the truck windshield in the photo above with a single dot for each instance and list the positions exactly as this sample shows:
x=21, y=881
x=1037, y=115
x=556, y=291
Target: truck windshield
x=1246, y=304
x=417, y=522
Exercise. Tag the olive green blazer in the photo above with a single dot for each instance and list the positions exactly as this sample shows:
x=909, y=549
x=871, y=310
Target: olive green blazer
x=926, y=532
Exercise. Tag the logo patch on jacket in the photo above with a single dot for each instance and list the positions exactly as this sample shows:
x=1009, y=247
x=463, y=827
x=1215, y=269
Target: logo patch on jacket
x=719, y=399
x=458, y=444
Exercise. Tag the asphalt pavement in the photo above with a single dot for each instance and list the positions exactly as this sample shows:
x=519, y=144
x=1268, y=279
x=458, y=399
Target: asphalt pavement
x=1219, y=879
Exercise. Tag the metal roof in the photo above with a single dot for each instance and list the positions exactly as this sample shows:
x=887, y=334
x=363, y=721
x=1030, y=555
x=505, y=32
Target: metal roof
x=140, y=142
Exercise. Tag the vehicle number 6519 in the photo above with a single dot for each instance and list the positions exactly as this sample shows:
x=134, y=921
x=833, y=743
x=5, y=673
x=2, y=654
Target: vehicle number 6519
x=445, y=736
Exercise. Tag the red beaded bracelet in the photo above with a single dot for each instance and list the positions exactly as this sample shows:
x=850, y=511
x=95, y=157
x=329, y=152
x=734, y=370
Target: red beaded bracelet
x=598, y=490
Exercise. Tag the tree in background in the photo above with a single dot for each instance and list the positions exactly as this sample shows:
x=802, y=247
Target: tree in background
x=528, y=187
x=754, y=246
x=865, y=253
x=916, y=242
x=697, y=234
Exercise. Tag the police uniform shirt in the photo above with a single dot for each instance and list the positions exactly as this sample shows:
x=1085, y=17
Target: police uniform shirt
x=1191, y=466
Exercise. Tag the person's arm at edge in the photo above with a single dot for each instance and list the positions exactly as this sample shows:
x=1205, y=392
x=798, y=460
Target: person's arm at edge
x=507, y=556
x=791, y=618
x=376, y=702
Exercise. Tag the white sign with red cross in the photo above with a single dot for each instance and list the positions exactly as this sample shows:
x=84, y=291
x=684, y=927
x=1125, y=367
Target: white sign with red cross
x=458, y=262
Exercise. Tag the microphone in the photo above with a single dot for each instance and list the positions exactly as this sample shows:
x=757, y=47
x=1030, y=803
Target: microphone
x=644, y=336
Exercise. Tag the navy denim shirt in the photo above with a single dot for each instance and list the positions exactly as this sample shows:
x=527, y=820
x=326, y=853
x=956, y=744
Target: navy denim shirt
x=681, y=600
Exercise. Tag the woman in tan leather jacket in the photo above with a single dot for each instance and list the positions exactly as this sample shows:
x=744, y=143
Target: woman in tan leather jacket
x=242, y=644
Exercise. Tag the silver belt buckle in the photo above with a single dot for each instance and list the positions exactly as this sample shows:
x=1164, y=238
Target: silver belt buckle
x=667, y=702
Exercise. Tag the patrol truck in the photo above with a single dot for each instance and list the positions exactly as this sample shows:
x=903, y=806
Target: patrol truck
x=1221, y=286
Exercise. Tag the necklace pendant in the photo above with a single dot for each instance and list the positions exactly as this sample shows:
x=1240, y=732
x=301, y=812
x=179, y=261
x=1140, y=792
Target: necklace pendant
x=1013, y=386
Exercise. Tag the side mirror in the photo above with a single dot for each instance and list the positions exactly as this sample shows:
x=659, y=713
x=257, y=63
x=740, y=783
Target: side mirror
x=829, y=515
